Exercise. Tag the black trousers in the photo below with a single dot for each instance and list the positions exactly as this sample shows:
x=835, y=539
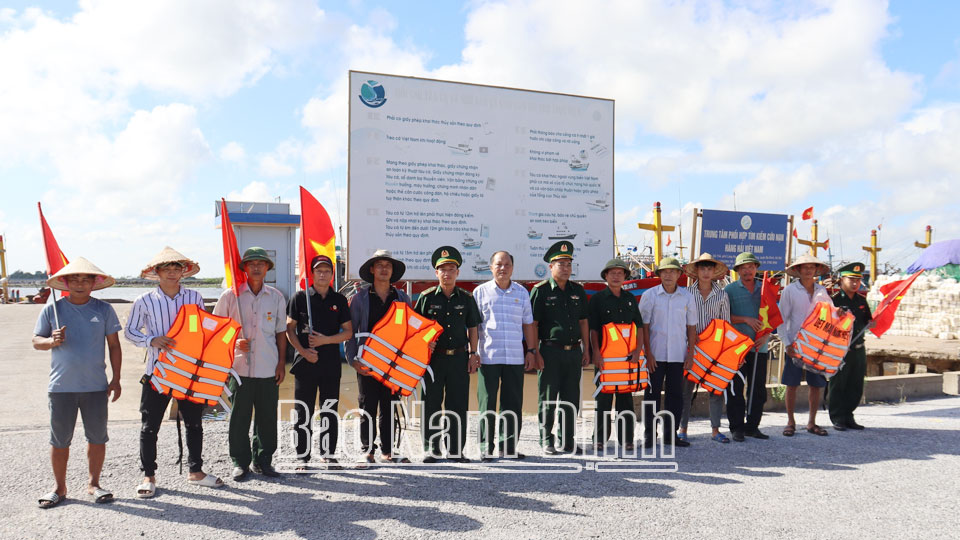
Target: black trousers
x=754, y=396
x=373, y=397
x=322, y=379
x=668, y=375
x=152, y=407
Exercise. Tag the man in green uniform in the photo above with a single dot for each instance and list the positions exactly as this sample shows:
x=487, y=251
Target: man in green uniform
x=560, y=315
x=613, y=305
x=454, y=357
x=846, y=387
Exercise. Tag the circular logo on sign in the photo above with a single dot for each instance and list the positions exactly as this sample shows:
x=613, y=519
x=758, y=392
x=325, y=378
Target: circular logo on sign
x=540, y=270
x=372, y=94
x=746, y=222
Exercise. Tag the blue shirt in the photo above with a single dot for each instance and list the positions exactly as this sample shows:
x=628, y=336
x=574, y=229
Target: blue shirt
x=504, y=312
x=78, y=364
x=744, y=303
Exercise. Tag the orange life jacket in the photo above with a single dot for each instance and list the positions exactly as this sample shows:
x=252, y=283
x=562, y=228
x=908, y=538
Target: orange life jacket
x=824, y=339
x=397, y=348
x=718, y=356
x=624, y=364
x=196, y=368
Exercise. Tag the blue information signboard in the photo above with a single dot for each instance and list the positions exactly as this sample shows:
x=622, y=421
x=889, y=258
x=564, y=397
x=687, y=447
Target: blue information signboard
x=725, y=234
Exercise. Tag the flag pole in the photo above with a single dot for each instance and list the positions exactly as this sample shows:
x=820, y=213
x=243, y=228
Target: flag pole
x=306, y=275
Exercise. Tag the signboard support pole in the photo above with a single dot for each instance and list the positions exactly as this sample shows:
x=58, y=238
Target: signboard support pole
x=693, y=234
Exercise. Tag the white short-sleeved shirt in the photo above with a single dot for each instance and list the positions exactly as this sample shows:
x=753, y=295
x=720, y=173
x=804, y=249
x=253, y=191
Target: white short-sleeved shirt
x=263, y=317
x=504, y=312
x=795, y=305
x=666, y=316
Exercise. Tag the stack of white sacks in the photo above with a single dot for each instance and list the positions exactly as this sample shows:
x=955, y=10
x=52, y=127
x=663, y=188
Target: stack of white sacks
x=931, y=307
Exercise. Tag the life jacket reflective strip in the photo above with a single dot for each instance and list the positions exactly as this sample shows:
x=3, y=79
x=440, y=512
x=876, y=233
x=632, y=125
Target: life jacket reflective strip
x=718, y=356
x=824, y=339
x=624, y=364
x=397, y=348
x=201, y=361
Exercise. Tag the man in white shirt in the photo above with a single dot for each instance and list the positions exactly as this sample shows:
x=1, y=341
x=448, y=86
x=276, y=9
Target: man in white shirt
x=151, y=317
x=507, y=322
x=796, y=303
x=669, y=316
x=259, y=359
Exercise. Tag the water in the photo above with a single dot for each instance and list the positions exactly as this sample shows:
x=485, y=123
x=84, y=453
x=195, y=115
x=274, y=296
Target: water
x=128, y=294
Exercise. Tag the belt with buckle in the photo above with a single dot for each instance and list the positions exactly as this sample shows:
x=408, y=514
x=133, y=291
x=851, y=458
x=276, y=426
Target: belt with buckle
x=858, y=346
x=555, y=345
x=450, y=352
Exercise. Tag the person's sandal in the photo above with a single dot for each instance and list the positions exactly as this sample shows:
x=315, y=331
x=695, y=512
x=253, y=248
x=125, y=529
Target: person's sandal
x=51, y=499
x=720, y=437
x=817, y=430
x=789, y=431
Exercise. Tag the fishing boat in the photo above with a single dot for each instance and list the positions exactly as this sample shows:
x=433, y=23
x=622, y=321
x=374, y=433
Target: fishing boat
x=563, y=233
x=480, y=265
x=599, y=204
x=471, y=243
x=534, y=235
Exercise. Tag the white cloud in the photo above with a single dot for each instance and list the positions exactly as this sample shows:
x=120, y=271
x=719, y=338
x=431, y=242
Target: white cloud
x=233, y=151
x=282, y=161
x=253, y=192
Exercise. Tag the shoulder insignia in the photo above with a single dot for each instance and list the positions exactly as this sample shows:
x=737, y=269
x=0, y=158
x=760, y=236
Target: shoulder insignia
x=430, y=290
x=542, y=283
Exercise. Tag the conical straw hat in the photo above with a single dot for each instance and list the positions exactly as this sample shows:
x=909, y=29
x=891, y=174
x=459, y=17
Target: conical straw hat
x=169, y=255
x=719, y=270
x=80, y=266
x=807, y=258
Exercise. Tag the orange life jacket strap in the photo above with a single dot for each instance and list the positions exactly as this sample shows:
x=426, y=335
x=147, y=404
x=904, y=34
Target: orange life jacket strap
x=713, y=364
x=201, y=363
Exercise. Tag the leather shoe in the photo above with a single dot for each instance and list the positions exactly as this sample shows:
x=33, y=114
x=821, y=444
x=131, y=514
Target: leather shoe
x=852, y=424
x=550, y=450
x=430, y=459
x=240, y=473
x=756, y=434
x=737, y=436
x=462, y=459
x=681, y=443
x=266, y=470
x=840, y=426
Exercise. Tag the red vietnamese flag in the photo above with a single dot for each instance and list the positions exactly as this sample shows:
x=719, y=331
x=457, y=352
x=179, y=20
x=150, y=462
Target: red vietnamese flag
x=55, y=257
x=826, y=244
x=769, y=310
x=668, y=240
x=807, y=214
x=316, y=236
x=892, y=294
x=795, y=234
x=234, y=276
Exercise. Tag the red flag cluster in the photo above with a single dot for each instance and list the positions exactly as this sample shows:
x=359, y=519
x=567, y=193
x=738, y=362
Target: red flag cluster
x=234, y=276
x=316, y=236
x=769, y=310
x=55, y=257
x=893, y=293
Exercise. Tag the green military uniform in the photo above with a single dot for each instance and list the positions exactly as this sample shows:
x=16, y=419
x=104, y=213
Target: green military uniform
x=451, y=380
x=557, y=313
x=606, y=307
x=846, y=387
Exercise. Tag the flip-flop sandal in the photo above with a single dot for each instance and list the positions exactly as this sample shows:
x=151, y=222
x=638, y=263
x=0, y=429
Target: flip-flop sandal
x=101, y=496
x=720, y=437
x=209, y=481
x=146, y=490
x=789, y=431
x=51, y=499
x=817, y=430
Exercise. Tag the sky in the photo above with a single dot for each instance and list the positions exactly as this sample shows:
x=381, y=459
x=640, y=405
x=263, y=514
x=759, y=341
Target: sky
x=127, y=120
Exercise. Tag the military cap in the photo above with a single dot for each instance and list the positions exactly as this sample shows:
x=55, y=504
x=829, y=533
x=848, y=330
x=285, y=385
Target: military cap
x=615, y=263
x=667, y=263
x=560, y=250
x=744, y=258
x=444, y=255
x=256, y=254
x=854, y=270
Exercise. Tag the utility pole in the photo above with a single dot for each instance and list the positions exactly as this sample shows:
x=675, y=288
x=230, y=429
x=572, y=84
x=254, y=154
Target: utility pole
x=873, y=250
x=929, y=237
x=812, y=243
x=658, y=230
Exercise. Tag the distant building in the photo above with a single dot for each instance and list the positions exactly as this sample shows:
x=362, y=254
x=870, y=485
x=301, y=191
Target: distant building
x=272, y=227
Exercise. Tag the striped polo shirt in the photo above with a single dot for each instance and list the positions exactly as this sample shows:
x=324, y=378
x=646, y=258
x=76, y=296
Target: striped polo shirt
x=715, y=306
x=152, y=316
x=504, y=312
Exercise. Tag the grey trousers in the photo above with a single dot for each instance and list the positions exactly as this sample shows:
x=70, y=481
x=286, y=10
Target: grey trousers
x=716, y=406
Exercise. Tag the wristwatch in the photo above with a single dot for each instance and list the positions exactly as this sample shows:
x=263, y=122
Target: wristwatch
x=532, y=350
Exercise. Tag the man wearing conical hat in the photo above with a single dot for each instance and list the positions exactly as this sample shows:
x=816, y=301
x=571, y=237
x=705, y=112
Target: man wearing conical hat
x=846, y=387
x=560, y=322
x=367, y=307
x=151, y=317
x=74, y=329
x=260, y=360
x=796, y=302
x=454, y=358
